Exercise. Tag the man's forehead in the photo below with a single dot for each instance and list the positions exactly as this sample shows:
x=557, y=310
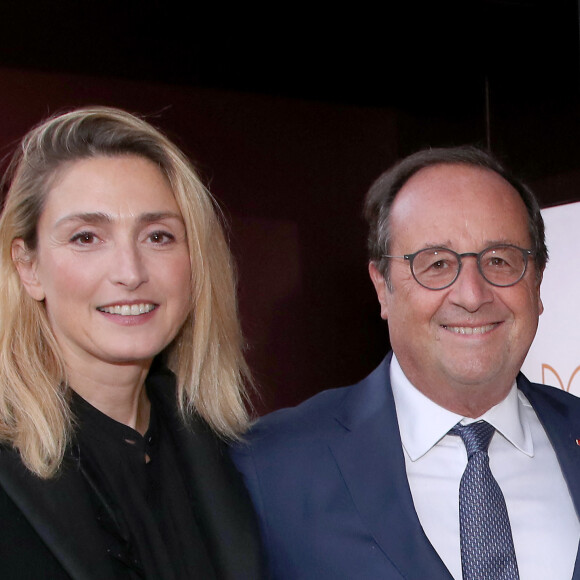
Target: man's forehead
x=455, y=181
x=442, y=174
x=444, y=199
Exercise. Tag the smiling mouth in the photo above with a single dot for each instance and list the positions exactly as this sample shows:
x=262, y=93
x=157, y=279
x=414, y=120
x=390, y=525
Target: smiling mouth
x=127, y=309
x=471, y=329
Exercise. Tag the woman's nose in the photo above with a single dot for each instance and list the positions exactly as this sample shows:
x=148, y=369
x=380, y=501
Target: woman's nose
x=127, y=267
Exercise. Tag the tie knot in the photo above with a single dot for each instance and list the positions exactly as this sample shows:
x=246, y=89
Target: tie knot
x=476, y=436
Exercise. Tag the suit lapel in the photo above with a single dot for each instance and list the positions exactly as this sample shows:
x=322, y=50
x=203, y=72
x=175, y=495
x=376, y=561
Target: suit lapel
x=222, y=506
x=561, y=422
x=370, y=457
x=60, y=511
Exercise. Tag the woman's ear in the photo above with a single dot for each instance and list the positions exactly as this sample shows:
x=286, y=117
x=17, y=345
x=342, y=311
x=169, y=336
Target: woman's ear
x=25, y=262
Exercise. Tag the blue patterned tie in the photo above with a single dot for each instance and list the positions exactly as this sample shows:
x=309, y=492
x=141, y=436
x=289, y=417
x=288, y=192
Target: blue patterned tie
x=487, y=548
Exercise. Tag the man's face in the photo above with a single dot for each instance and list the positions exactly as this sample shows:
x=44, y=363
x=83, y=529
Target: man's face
x=461, y=346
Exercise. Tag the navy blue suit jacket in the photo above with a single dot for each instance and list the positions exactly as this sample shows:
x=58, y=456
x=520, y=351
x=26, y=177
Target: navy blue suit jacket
x=329, y=483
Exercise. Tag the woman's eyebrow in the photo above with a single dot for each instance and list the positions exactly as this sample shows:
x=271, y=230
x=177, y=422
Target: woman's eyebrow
x=99, y=217
x=158, y=216
x=85, y=217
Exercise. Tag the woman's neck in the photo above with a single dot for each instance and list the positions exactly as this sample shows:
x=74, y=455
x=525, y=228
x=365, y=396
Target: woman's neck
x=116, y=390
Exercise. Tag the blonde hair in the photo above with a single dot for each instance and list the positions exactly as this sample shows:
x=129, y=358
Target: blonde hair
x=206, y=355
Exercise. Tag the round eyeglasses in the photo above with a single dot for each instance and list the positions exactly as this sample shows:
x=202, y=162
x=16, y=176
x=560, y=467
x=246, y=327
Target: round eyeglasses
x=437, y=268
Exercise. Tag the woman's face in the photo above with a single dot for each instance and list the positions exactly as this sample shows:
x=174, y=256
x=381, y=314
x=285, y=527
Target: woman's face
x=112, y=261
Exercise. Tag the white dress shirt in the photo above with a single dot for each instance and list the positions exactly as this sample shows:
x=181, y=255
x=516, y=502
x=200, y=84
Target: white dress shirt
x=545, y=527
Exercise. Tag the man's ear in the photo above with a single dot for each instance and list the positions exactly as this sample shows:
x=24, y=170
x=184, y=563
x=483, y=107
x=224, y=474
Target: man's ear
x=383, y=292
x=25, y=262
x=539, y=296
x=540, y=303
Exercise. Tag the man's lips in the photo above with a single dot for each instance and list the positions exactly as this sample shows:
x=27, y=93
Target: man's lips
x=128, y=309
x=470, y=329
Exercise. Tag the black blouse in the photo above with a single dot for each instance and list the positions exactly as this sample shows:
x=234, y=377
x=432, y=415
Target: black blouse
x=140, y=497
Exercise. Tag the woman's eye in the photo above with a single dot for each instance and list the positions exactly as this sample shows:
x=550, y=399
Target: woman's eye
x=161, y=237
x=84, y=238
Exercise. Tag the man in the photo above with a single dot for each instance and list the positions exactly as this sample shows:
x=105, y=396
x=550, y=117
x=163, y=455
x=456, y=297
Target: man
x=373, y=481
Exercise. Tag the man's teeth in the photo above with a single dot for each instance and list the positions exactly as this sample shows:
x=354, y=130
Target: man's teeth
x=470, y=329
x=128, y=309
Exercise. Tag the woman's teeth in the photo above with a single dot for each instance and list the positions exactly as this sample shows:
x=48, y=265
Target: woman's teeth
x=127, y=310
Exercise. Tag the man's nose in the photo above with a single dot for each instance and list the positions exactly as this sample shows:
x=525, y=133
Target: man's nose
x=471, y=290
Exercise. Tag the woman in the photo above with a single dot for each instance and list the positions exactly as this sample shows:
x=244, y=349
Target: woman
x=121, y=371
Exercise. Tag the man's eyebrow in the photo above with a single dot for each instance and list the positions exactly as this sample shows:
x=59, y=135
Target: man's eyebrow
x=486, y=244
x=443, y=244
x=103, y=218
x=499, y=242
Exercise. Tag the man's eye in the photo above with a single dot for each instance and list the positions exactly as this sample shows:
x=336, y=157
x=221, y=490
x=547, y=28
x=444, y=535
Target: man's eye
x=439, y=265
x=498, y=262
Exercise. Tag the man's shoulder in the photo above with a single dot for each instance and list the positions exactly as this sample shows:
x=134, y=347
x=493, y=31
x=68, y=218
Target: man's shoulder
x=282, y=444
x=323, y=416
x=306, y=419
x=540, y=394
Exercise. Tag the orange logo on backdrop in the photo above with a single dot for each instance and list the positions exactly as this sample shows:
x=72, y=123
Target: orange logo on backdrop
x=546, y=367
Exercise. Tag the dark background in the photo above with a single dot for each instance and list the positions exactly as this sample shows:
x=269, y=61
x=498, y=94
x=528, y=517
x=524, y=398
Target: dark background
x=290, y=112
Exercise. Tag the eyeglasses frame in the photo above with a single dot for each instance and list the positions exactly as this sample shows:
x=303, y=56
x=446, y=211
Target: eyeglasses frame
x=526, y=254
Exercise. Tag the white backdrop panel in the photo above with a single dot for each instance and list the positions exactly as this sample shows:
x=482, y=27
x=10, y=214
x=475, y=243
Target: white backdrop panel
x=554, y=357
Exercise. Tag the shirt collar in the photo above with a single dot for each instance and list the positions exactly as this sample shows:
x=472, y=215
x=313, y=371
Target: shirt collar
x=423, y=423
